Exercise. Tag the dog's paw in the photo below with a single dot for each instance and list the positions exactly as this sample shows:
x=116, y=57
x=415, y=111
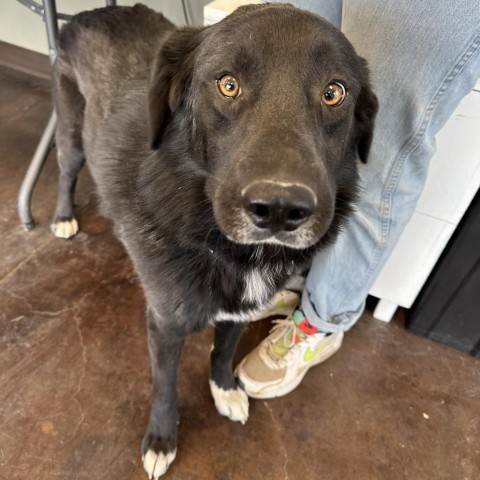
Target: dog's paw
x=65, y=228
x=158, y=452
x=230, y=403
x=156, y=464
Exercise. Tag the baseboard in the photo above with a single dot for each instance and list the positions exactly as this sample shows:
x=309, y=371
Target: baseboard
x=24, y=60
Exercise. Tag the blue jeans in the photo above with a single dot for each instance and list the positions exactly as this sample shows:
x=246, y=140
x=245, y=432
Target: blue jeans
x=424, y=58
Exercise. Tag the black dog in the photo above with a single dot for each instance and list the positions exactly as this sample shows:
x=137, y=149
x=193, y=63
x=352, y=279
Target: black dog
x=226, y=157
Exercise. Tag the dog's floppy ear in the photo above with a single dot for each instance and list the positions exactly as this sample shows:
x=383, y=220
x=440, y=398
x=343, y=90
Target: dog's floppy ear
x=170, y=79
x=365, y=113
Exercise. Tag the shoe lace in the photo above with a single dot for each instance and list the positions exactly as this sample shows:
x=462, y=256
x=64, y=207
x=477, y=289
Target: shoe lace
x=282, y=338
x=282, y=329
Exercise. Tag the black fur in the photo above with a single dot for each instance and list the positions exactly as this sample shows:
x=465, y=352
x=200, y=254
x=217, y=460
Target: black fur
x=170, y=156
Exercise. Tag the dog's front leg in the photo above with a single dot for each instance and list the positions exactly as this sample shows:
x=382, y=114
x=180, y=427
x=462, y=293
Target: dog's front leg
x=159, y=445
x=230, y=400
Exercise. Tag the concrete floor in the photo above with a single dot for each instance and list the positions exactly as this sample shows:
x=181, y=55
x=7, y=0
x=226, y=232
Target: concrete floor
x=74, y=371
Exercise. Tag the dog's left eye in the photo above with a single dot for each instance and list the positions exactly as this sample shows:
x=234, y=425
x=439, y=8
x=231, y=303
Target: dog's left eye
x=229, y=86
x=334, y=94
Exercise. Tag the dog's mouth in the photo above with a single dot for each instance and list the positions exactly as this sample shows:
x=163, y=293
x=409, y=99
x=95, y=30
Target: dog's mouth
x=243, y=231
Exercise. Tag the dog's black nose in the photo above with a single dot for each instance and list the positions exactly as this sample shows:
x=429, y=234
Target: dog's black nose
x=277, y=206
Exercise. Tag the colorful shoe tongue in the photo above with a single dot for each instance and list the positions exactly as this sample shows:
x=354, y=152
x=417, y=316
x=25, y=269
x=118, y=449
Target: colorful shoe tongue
x=303, y=324
x=302, y=329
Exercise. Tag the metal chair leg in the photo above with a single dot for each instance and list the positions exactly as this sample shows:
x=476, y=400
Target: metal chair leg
x=50, y=16
x=33, y=172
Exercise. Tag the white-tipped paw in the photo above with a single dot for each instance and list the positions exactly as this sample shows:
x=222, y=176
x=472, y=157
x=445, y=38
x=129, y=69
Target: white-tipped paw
x=65, y=229
x=230, y=403
x=156, y=464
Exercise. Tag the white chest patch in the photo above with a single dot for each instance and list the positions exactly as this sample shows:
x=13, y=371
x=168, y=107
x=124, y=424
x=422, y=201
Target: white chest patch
x=256, y=287
x=256, y=290
x=245, y=316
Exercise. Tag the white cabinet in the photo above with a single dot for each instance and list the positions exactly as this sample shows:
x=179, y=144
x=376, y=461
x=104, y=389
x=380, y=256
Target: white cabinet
x=219, y=9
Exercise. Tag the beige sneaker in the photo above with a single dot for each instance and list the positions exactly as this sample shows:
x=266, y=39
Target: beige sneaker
x=279, y=363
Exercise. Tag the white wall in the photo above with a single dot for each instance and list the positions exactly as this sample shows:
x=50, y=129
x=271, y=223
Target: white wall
x=26, y=29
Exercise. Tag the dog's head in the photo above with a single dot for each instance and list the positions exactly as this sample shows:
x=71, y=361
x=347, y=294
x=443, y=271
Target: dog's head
x=280, y=109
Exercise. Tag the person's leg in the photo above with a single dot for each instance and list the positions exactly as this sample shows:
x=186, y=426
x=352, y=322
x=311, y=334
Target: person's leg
x=424, y=58
x=330, y=10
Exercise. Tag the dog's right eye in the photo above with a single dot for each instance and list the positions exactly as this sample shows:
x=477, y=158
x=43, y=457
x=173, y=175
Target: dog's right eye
x=334, y=94
x=229, y=86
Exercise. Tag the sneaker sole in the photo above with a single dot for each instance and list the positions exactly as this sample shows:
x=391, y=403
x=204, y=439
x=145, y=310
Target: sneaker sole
x=285, y=389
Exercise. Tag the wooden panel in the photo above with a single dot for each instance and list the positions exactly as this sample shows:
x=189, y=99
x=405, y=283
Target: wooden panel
x=24, y=60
